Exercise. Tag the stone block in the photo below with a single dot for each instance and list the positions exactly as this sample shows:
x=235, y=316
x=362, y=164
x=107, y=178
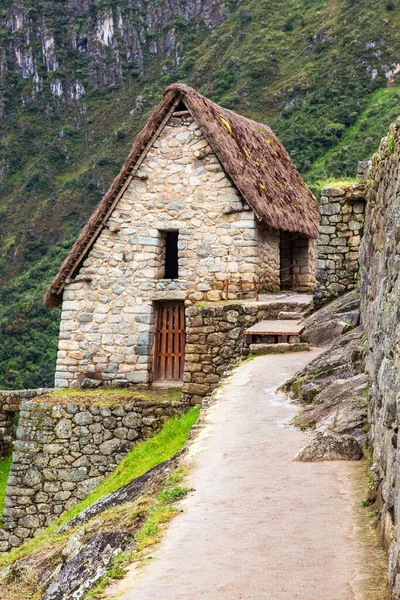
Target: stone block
x=330, y=209
x=333, y=192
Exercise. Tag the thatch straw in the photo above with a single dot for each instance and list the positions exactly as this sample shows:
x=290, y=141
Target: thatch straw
x=250, y=153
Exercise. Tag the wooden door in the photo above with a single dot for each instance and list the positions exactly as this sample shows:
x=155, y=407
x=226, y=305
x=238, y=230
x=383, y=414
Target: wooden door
x=169, y=347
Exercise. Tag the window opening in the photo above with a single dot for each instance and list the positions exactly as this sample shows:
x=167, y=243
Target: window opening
x=171, y=268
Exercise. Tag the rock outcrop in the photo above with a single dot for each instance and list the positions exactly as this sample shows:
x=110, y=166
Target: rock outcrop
x=82, y=572
x=333, y=388
x=126, y=493
x=337, y=317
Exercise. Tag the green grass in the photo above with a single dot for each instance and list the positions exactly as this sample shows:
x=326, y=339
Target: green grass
x=143, y=457
x=5, y=465
x=160, y=511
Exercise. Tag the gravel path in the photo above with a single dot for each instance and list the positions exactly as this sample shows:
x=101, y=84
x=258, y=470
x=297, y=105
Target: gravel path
x=257, y=525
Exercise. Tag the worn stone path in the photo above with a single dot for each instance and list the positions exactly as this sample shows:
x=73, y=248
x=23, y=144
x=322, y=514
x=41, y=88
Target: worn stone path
x=257, y=525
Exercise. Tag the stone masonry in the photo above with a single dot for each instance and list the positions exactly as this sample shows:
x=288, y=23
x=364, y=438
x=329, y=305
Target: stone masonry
x=63, y=452
x=297, y=260
x=108, y=312
x=10, y=402
x=342, y=221
x=380, y=311
x=215, y=340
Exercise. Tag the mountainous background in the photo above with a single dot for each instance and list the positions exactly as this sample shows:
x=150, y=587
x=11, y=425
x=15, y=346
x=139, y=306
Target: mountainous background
x=79, y=77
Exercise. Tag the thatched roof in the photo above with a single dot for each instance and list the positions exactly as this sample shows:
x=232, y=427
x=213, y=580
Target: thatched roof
x=250, y=153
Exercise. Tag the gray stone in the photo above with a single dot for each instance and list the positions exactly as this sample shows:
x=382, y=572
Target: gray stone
x=30, y=521
x=83, y=418
x=327, y=445
x=63, y=429
x=88, y=565
x=73, y=475
x=330, y=209
x=110, y=447
x=88, y=383
x=33, y=477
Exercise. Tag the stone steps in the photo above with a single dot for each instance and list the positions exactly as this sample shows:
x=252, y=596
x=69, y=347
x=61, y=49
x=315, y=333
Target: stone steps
x=261, y=349
x=291, y=316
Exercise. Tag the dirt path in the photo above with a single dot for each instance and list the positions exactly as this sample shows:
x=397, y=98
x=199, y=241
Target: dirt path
x=258, y=525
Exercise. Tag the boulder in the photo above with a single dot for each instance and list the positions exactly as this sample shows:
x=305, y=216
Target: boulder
x=327, y=445
x=333, y=388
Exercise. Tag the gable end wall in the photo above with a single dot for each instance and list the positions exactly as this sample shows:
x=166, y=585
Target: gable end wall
x=108, y=313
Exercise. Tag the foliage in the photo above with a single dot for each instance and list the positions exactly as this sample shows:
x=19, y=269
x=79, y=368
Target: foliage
x=315, y=72
x=390, y=144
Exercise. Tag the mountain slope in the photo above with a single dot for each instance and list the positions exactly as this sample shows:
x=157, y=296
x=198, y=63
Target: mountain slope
x=79, y=77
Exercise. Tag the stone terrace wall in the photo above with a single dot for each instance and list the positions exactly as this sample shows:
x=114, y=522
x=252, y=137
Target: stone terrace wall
x=10, y=402
x=342, y=221
x=380, y=309
x=215, y=341
x=63, y=452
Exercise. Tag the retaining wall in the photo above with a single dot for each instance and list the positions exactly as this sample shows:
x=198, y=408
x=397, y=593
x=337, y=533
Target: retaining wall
x=63, y=452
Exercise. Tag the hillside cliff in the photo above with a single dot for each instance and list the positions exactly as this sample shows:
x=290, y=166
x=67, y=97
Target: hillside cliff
x=79, y=77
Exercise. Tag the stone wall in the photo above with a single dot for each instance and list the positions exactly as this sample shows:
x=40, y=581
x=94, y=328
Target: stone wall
x=10, y=402
x=342, y=221
x=63, y=452
x=267, y=275
x=108, y=311
x=215, y=340
x=380, y=310
x=297, y=262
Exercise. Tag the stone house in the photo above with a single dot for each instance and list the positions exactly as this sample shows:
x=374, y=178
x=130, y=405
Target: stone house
x=208, y=206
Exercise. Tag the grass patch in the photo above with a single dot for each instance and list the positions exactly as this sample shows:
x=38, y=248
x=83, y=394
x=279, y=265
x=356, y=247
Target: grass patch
x=335, y=183
x=5, y=465
x=110, y=396
x=159, y=511
x=143, y=457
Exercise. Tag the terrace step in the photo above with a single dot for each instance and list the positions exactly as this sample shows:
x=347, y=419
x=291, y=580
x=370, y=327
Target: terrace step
x=290, y=316
x=260, y=349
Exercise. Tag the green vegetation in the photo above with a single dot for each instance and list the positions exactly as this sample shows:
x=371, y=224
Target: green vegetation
x=5, y=465
x=159, y=512
x=143, y=457
x=316, y=72
x=305, y=426
x=390, y=144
